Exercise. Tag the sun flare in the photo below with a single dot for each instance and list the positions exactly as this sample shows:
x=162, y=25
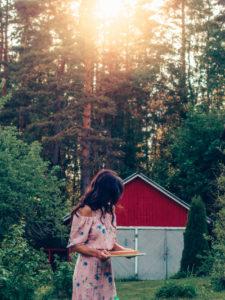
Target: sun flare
x=111, y=9
x=156, y=4
x=106, y=9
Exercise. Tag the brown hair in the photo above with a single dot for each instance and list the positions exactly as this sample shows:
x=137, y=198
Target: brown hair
x=102, y=193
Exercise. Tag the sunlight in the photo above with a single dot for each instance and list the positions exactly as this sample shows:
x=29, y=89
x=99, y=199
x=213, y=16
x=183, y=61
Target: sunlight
x=107, y=9
x=75, y=6
x=111, y=9
x=156, y=4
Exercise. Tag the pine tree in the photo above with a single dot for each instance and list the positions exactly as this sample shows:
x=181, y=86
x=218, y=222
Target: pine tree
x=195, y=244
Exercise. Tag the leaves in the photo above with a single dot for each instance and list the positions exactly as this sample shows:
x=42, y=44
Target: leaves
x=28, y=190
x=22, y=268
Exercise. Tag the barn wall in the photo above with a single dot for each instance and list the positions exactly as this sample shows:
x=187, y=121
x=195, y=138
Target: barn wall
x=163, y=248
x=144, y=205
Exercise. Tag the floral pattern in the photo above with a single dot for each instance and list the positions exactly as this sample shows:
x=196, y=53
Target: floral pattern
x=93, y=278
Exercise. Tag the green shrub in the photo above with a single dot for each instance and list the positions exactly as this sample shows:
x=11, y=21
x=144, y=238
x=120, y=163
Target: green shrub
x=218, y=283
x=172, y=290
x=62, y=279
x=218, y=269
x=22, y=268
x=206, y=268
x=181, y=274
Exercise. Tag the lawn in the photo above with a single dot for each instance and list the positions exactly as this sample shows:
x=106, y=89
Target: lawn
x=145, y=290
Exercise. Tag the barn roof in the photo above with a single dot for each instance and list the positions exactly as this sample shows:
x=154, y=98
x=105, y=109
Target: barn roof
x=153, y=184
x=159, y=188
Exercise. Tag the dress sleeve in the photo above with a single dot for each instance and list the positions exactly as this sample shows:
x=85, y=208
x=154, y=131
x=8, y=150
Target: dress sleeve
x=80, y=229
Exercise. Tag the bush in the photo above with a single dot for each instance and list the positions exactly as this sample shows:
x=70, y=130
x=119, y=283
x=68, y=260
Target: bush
x=22, y=268
x=171, y=290
x=62, y=279
x=206, y=268
x=181, y=274
x=218, y=269
x=218, y=283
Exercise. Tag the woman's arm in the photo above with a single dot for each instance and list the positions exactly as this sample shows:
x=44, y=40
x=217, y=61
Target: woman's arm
x=85, y=250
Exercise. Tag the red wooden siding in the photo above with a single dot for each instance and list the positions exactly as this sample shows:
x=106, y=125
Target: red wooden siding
x=144, y=205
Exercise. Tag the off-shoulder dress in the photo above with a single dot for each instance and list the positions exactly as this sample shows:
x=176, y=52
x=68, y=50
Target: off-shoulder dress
x=93, y=278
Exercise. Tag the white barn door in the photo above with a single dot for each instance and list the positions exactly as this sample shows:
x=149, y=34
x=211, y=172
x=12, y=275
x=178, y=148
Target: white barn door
x=163, y=248
x=153, y=264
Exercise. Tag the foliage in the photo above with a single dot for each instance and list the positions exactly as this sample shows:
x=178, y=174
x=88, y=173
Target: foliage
x=191, y=157
x=4, y=100
x=22, y=268
x=172, y=290
x=62, y=279
x=29, y=190
x=195, y=244
x=218, y=271
x=181, y=274
x=207, y=263
x=61, y=284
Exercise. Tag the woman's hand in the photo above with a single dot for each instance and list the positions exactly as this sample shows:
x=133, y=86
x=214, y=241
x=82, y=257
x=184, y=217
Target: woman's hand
x=103, y=254
x=86, y=250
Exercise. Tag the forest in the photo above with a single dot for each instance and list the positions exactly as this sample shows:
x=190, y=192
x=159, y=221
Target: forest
x=133, y=86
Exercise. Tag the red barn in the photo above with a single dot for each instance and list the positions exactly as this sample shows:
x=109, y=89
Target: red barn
x=145, y=203
x=153, y=220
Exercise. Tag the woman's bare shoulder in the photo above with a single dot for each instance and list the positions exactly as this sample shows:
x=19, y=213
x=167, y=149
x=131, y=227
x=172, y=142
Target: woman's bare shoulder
x=85, y=211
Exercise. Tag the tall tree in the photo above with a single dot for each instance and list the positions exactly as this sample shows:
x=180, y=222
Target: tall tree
x=189, y=164
x=195, y=244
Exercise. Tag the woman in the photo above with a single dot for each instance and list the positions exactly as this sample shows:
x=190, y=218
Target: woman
x=93, y=235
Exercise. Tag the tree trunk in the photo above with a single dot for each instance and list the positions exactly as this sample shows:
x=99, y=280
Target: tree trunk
x=4, y=23
x=87, y=25
x=4, y=85
x=183, y=87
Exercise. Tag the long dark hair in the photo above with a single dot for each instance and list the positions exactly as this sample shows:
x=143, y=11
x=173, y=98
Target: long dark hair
x=102, y=193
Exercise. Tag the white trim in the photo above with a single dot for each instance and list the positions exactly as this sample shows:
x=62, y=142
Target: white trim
x=150, y=227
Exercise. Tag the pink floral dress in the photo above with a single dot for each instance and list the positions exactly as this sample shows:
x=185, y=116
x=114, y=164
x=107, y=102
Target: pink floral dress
x=93, y=278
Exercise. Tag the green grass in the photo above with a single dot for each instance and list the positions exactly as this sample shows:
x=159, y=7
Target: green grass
x=145, y=290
